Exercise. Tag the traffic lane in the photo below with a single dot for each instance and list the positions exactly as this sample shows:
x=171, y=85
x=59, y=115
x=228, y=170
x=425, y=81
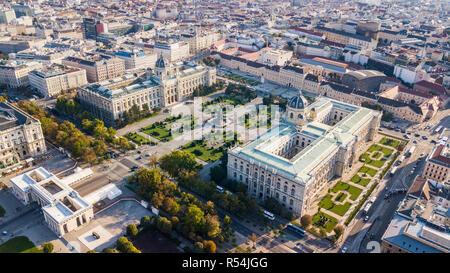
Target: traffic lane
x=379, y=226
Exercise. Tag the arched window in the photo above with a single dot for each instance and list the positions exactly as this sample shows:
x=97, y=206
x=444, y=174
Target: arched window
x=278, y=185
x=292, y=115
x=300, y=116
x=285, y=189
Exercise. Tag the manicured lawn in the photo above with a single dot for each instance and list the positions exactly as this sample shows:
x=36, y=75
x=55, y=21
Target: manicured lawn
x=367, y=170
x=326, y=202
x=377, y=163
x=360, y=181
x=341, y=209
x=386, y=151
x=354, y=192
x=20, y=244
x=340, y=197
x=158, y=131
x=376, y=155
x=365, y=157
x=341, y=186
x=328, y=222
x=2, y=211
x=202, y=152
x=390, y=142
x=136, y=138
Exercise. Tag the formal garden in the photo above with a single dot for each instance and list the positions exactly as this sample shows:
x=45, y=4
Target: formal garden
x=138, y=139
x=343, y=195
x=204, y=151
x=162, y=130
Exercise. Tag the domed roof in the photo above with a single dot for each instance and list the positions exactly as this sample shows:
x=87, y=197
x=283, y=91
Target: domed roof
x=297, y=102
x=160, y=62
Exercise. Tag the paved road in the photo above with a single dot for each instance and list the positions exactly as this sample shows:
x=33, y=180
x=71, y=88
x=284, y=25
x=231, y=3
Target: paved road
x=383, y=209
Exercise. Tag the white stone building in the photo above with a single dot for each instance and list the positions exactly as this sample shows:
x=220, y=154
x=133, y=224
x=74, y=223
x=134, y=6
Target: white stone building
x=50, y=81
x=63, y=208
x=294, y=162
x=15, y=73
x=21, y=137
x=109, y=99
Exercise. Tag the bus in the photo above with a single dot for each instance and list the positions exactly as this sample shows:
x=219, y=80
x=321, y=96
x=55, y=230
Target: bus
x=220, y=189
x=297, y=230
x=367, y=208
x=411, y=150
x=438, y=129
x=393, y=171
x=268, y=215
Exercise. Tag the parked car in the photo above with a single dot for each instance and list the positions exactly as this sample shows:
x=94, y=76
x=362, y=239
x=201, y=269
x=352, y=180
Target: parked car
x=344, y=249
x=5, y=232
x=415, y=141
x=366, y=219
x=424, y=137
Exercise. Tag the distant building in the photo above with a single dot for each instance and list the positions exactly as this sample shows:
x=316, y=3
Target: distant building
x=365, y=80
x=437, y=165
x=272, y=56
x=98, y=67
x=136, y=60
x=173, y=52
x=52, y=80
x=108, y=100
x=200, y=41
x=6, y=16
x=14, y=74
x=21, y=10
x=342, y=37
x=21, y=137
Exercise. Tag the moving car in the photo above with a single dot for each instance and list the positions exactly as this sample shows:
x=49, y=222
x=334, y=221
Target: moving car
x=366, y=218
x=344, y=249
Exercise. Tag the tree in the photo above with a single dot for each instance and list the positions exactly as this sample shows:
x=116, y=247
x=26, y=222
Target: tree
x=306, y=221
x=226, y=223
x=218, y=173
x=125, y=246
x=132, y=230
x=109, y=250
x=212, y=226
x=195, y=218
x=164, y=225
x=153, y=160
x=253, y=238
x=157, y=199
x=209, y=246
x=145, y=221
x=47, y=247
x=338, y=230
x=91, y=251
x=178, y=163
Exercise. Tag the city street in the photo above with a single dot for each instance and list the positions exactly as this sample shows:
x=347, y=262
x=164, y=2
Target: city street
x=383, y=209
